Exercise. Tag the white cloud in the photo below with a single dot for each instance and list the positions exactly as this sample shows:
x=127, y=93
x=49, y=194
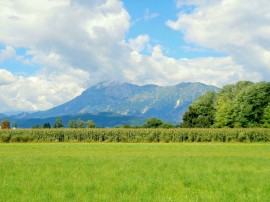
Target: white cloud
x=240, y=29
x=77, y=43
x=74, y=42
x=6, y=53
x=6, y=77
x=39, y=92
x=163, y=70
x=139, y=43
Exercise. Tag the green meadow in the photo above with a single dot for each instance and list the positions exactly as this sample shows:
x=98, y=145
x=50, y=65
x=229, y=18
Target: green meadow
x=135, y=172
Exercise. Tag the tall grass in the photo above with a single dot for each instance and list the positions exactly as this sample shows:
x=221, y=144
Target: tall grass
x=135, y=135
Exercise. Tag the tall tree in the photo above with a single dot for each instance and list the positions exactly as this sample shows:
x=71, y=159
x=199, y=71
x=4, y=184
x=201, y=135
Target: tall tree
x=250, y=104
x=58, y=123
x=266, y=116
x=90, y=124
x=244, y=104
x=201, y=113
x=153, y=123
x=46, y=125
x=72, y=124
x=225, y=104
x=80, y=123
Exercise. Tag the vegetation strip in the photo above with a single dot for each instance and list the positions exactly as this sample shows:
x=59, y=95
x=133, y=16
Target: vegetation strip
x=136, y=135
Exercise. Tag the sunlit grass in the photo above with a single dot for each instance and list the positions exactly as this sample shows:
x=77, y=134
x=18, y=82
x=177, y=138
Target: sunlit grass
x=135, y=172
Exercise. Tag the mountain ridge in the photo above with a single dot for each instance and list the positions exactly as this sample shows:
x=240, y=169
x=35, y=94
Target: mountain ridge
x=165, y=102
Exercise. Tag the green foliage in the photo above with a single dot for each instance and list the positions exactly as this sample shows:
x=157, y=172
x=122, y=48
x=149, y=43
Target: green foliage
x=80, y=123
x=136, y=135
x=5, y=124
x=58, y=123
x=266, y=116
x=46, y=125
x=72, y=124
x=240, y=105
x=201, y=113
x=153, y=123
x=90, y=124
x=225, y=104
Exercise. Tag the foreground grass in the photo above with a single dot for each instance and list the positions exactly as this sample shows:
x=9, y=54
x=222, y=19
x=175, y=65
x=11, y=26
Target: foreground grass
x=135, y=172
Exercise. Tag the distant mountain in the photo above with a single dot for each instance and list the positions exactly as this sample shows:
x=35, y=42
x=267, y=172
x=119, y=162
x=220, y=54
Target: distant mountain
x=166, y=102
x=3, y=115
x=101, y=120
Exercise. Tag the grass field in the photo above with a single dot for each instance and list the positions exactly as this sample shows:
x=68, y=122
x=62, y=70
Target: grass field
x=135, y=172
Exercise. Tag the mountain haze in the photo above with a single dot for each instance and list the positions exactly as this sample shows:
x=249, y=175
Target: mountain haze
x=165, y=102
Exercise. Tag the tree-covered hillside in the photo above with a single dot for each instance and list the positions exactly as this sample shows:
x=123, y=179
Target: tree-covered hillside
x=244, y=104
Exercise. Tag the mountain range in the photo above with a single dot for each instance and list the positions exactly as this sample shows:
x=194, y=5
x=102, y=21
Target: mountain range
x=126, y=101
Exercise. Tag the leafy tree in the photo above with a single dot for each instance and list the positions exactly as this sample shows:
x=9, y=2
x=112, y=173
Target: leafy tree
x=201, y=113
x=46, y=125
x=244, y=104
x=90, y=124
x=266, y=116
x=250, y=105
x=225, y=104
x=153, y=123
x=58, y=123
x=5, y=124
x=80, y=123
x=72, y=124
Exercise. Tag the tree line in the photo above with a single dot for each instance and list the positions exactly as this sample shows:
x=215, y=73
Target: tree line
x=241, y=105
x=71, y=124
x=150, y=123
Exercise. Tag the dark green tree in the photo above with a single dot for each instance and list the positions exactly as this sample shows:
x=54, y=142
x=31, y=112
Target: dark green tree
x=153, y=123
x=80, y=123
x=46, y=125
x=90, y=124
x=72, y=124
x=58, y=123
x=250, y=104
x=201, y=113
x=266, y=116
x=244, y=104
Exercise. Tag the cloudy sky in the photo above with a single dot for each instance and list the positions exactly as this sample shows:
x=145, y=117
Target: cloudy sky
x=51, y=50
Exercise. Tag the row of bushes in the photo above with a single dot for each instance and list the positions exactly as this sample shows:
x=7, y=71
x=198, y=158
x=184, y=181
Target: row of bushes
x=135, y=135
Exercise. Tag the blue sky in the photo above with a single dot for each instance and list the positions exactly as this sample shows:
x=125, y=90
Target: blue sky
x=50, y=51
x=150, y=17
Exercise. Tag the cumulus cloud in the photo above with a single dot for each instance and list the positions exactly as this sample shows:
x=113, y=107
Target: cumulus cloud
x=6, y=77
x=240, y=29
x=38, y=92
x=170, y=71
x=6, y=53
x=77, y=43
x=74, y=42
x=139, y=43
